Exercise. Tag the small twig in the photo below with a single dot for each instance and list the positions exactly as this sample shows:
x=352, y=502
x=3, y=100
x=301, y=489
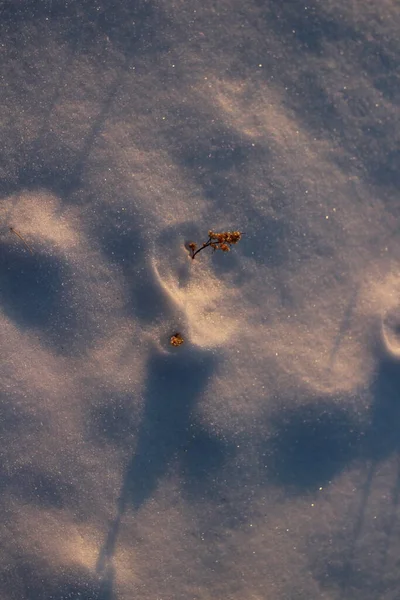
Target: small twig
x=21, y=238
x=221, y=241
x=201, y=248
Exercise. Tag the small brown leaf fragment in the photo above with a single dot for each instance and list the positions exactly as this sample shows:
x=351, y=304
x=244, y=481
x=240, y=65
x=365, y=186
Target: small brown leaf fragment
x=176, y=339
x=192, y=247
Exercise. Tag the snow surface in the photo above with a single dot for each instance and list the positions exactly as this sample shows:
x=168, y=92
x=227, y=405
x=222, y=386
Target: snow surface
x=260, y=459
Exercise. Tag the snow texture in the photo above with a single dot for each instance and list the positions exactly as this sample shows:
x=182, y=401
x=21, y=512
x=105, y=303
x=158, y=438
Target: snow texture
x=260, y=458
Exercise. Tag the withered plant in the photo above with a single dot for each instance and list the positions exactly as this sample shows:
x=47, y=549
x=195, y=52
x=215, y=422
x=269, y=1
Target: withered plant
x=217, y=241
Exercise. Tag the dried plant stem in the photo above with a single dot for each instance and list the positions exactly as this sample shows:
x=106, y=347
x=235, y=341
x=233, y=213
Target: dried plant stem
x=22, y=239
x=217, y=241
x=205, y=245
